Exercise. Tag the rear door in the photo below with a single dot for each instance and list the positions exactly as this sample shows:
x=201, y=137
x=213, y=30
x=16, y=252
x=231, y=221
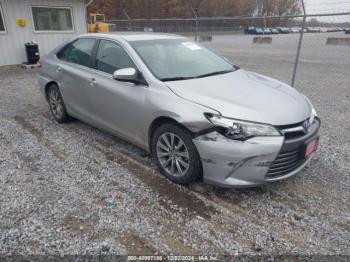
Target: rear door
x=116, y=106
x=74, y=70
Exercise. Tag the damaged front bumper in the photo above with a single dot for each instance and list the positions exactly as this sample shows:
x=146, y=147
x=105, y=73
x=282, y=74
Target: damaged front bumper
x=232, y=163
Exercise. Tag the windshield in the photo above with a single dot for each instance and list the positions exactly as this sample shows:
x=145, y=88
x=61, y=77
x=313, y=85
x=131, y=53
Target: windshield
x=179, y=59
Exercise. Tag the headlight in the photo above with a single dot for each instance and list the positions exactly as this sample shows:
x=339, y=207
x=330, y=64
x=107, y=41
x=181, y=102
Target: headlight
x=313, y=115
x=313, y=111
x=241, y=130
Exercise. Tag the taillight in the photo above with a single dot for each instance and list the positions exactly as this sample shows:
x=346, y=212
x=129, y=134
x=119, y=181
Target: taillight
x=39, y=65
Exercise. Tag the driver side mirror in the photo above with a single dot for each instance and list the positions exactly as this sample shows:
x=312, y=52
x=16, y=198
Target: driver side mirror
x=128, y=75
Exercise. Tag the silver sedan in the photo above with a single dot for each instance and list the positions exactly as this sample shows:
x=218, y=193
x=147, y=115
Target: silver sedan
x=200, y=116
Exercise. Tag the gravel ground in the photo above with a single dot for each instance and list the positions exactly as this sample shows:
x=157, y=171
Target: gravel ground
x=72, y=189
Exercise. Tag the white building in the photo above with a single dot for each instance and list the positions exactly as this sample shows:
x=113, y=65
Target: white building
x=47, y=22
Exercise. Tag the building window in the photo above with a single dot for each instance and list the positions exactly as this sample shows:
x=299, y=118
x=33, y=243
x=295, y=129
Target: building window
x=52, y=19
x=2, y=22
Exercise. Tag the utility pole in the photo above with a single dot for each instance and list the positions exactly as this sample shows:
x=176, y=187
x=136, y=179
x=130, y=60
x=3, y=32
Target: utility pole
x=299, y=45
x=196, y=27
x=129, y=18
x=195, y=11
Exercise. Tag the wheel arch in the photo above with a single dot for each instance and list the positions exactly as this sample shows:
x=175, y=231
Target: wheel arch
x=161, y=120
x=47, y=85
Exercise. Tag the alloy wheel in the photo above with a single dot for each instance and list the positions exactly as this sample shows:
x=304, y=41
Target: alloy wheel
x=56, y=103
x=173, y=154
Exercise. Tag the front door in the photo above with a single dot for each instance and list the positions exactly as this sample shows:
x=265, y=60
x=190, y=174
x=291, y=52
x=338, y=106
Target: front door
x=116, y=106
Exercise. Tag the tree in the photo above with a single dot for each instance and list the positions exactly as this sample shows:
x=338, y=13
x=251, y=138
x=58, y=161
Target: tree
x=113, y=9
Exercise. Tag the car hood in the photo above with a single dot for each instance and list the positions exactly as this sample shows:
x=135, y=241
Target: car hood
x=247, y=96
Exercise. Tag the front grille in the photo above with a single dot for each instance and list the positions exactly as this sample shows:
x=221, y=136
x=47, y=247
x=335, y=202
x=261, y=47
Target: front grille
x=293, y=131
x=292, y=153
x=285, y=163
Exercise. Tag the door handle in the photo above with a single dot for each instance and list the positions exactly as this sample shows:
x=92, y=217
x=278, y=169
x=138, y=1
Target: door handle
x=93, y=81
x=58, y=69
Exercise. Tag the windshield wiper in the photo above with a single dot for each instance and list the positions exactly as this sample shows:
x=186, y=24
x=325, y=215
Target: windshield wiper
x=177, y=78
x=215, y=73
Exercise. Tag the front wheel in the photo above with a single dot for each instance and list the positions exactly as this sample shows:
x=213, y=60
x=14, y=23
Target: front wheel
x=175, y=154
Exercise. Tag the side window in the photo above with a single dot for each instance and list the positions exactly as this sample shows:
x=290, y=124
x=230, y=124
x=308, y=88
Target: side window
x=2, y=23
x=78, y=52
x=111, y=56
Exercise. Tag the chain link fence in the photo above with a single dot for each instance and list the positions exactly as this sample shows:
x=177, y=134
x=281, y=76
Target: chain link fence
x=292, y=44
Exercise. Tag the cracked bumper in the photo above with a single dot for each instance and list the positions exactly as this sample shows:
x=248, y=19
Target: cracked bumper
x=231, y=163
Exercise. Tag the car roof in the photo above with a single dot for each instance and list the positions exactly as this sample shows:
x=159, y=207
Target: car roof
x=135, y=36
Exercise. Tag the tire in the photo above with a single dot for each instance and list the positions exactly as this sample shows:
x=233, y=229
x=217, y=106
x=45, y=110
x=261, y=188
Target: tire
x=169, y=146
x=56, y=104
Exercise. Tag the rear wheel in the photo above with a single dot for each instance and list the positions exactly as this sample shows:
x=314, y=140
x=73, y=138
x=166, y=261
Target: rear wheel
x=57, y=106
x=175, y=154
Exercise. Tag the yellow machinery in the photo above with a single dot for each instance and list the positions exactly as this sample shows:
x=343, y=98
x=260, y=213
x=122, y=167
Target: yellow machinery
x=97, y=23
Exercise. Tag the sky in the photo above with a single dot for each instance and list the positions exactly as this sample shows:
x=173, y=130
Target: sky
x=329, y=6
